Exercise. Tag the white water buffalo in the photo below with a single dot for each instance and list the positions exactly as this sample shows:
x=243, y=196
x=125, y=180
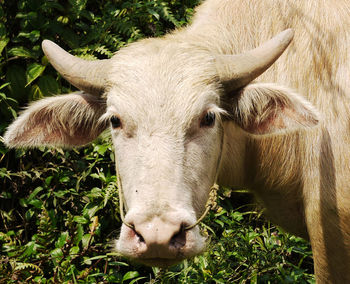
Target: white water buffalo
x=211, y=102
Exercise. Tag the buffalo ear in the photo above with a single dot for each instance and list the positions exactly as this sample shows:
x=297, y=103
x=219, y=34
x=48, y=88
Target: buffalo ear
x=268, y=108
x=65, y=120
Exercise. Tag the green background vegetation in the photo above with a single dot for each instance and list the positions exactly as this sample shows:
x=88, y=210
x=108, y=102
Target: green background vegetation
x=59, y=209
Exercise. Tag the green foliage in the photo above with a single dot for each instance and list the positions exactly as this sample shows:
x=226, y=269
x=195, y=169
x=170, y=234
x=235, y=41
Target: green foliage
x=59, y=209
x=88, y=29
x=61, y=224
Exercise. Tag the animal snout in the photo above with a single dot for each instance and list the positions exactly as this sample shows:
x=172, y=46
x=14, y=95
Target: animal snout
x=160, y=239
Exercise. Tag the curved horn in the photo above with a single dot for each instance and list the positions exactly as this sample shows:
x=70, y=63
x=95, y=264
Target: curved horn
x=89, y=76
x=236, y=71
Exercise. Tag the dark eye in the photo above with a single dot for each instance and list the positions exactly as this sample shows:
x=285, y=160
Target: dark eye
x=115, y=121
x=208, y=120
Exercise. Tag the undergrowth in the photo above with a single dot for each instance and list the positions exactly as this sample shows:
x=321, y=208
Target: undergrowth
x=59, y=217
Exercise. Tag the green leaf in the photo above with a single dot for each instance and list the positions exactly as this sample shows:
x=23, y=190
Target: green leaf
x=130, y=275
x=2, y=96
x=85, y=240
x=90, y=210
x=7, y=106
x=21, y=52
x=48, y=180
x=13, y=112
x=6, y=195
x=23, y=202
x=64, y=179
x=16, y=76
x=220, y=223
x=94, y=175
x=3, y=43
x=80, y=220
x=34, y=193
x=74, y=250
x=88, y=260
x=34, y=70
x=100, y=176
x=29, y=214
x=79, y=234
x=48, y=85
x=154, y=14
x=29, y=249
x=57, y=252
x=4, y=85
x=36, y=203
x=62, y=240
x=33, y=36
x=101, y=149
x=60, y=193
x=35, y=93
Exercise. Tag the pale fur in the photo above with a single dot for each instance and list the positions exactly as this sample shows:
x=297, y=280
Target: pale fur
x=161, y=88
x=302, y=177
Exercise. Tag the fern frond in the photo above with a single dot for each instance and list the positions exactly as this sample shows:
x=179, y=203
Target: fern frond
x=24, y=266
x=110, y=192
x=104, y=51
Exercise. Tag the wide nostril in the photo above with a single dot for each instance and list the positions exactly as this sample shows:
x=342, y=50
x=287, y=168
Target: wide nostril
x=141, y=239
x=133, y=233
x=179, y=239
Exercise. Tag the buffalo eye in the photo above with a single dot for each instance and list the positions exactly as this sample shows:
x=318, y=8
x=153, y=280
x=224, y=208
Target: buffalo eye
x=115, y=121
x=208, y=120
